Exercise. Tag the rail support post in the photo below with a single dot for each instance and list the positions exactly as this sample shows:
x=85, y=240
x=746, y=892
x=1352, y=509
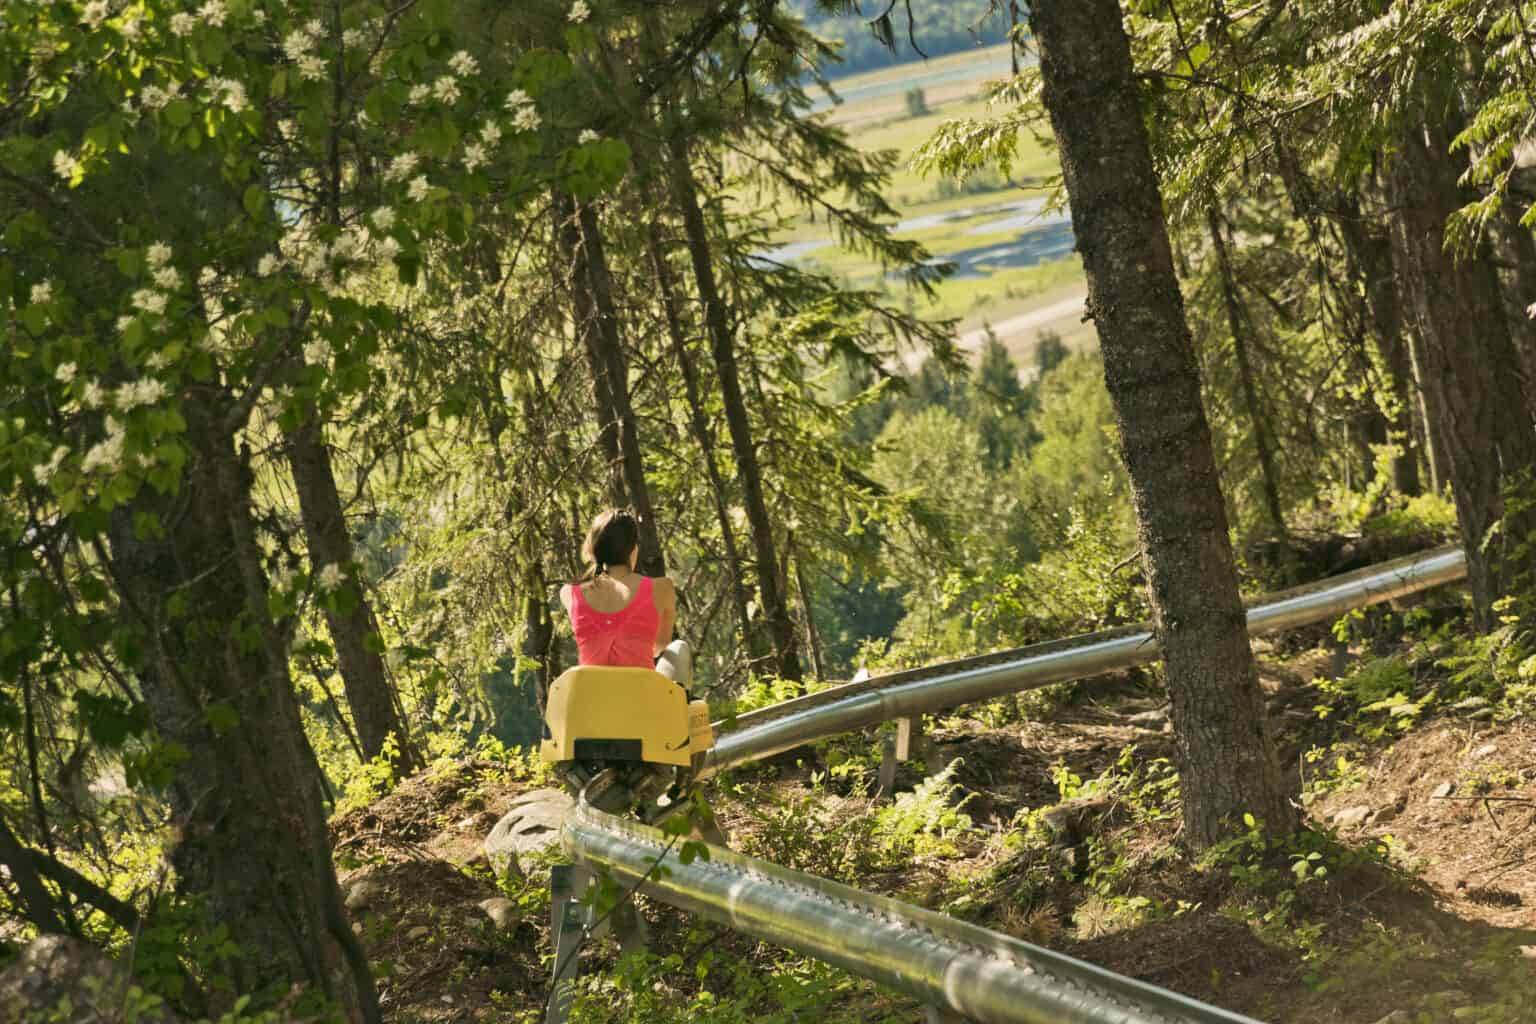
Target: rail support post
x=567, y=882
x=885, y=780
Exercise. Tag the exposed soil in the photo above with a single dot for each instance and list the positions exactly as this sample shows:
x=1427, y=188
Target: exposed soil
x=1439, y=926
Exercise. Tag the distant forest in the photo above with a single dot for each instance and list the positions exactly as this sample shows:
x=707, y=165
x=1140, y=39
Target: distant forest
x=942, y=27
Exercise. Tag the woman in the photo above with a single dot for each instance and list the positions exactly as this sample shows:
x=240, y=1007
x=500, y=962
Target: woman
x=619, y=616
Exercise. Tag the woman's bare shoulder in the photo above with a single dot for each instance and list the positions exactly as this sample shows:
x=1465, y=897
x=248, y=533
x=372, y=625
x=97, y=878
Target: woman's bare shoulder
x=664, y=587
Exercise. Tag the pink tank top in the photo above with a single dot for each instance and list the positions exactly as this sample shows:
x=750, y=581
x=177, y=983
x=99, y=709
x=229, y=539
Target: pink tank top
x=624, y=637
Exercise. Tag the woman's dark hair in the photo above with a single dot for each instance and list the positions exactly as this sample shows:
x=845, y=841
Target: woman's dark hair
x=610, y=539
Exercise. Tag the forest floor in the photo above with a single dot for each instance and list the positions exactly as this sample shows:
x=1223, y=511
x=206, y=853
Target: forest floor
x=1412, y=891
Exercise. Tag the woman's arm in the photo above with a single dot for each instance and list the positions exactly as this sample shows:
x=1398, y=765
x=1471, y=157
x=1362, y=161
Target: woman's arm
x=665, y=596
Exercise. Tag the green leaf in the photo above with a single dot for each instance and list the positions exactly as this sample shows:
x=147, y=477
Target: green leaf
x=221, y=718
x=109, y=720
x=178, y=113
x=255, y=201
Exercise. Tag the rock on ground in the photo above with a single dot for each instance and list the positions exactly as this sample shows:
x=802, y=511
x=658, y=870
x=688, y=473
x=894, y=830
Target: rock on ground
x=531, y=824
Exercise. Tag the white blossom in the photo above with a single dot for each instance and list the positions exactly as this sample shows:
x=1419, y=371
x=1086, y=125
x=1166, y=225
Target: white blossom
x=580, y=12
x=157, y=361
x=389, y=248
x=418, y=189
x=42, y=292
x=107, y=454
x=587, y=135
x=153, y=97
x=259, y=16
x=474, y=156
x=268, y=264
x=144, y=391
x=352, y=38
x=65, y=373
x=214, y=12
x=125, y=322
x=313, y=265
x=158, y=255
x=1530, y=311
x=517, y=99
x=318, y=352
x=44, y=472
x=490, y=132
x=418, y=94
x=65, y=166
x=463, y=64
x=383, y=218
x=526, y=119
x=298, y=44
x=314, y=27
x=94, y=394
x=231, y=93
x=312, y=68
x=329, y=578
x=346, y=245
x=132, y=28
x=183, y=23
x=446, y=89
x=94, y=13
x=168, y=278
x=149, y=301
x=401, y=167
x=207, y=278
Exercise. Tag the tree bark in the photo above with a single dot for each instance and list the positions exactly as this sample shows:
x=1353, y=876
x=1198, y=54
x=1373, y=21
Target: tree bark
x=1369, y=255
x=36, y=903
x=1475, y=394
x=252, y=846
x=704, y=437
x=606, y=350
x=781, y=629
x=1235, y=323
x=354, y=633
x=1228, y=762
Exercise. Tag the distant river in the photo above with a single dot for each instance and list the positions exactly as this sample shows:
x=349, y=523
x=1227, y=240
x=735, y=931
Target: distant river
x=1040, y=237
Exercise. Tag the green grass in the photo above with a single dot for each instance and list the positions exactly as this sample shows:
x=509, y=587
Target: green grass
x=875, y=124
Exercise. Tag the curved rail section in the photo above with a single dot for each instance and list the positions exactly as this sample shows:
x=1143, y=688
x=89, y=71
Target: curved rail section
x=858, y=705
x=966, y=970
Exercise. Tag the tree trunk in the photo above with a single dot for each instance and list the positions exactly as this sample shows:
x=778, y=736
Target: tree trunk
x=354, y=632
x=1370, y=259
x=704, y=437
x=1228, y=762
x=781, y=629
x=607, y=351
x=1235, y=322
x=32, y=897
x=251, y=846
x=1474, y=390
x=1519, y=250
x=574, y=281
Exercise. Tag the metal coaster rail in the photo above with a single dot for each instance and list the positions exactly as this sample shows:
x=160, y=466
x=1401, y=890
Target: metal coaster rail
x=960, y=971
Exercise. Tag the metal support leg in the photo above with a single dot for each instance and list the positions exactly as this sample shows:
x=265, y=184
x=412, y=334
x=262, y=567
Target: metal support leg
x=567, y=882
x=629, y=928
x=886, y=780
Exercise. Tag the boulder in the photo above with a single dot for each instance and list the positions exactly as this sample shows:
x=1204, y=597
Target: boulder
x=58, y=978
x=502, y=912
x=532, y=824
x=1351, y=816
x=362, y=894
